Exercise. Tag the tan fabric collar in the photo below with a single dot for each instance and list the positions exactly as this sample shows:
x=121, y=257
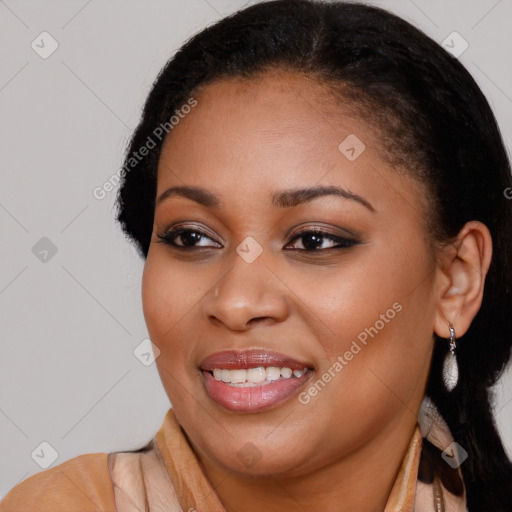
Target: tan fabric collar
x=401, y=498
x=193, y=489
x=434, y=496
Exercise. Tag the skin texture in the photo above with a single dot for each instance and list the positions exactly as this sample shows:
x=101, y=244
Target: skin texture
x=243, y=141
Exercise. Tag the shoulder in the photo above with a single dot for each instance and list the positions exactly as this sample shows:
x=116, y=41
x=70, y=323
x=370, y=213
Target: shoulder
x=79, y=484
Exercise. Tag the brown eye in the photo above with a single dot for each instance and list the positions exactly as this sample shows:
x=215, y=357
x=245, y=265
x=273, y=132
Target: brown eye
x=188, y=238
x=314, y=240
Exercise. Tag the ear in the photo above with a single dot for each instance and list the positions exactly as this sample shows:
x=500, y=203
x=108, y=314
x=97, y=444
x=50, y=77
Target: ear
x=461, y=279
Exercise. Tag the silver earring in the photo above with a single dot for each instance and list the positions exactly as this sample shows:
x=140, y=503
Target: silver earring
x=450, y=367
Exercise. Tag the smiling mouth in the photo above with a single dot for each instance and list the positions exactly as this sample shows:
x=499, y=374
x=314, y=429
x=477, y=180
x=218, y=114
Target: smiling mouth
x=253, y=377
x=253, y=380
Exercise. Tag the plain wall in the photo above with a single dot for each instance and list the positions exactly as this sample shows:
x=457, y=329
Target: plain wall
x=69, y=326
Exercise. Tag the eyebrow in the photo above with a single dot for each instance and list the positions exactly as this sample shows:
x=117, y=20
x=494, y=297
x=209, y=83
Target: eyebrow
x=282, y=199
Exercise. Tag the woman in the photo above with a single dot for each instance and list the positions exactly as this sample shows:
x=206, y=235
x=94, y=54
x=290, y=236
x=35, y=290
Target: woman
x=319, y=192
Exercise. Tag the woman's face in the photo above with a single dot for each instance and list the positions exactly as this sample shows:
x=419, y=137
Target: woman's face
x=248, y=293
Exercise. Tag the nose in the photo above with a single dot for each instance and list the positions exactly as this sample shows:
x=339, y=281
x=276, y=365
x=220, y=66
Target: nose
x=247, y=294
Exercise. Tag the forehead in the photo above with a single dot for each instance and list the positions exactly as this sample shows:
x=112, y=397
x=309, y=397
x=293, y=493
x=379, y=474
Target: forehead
x=282, y=129
x=270, y=121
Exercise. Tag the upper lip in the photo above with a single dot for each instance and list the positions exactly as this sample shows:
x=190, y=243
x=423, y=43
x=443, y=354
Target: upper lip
x=234, y=359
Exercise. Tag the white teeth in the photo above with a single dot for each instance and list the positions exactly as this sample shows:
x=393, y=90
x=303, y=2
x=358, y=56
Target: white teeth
x=286, y=372
x=238, y=376
x=256, y=375
x=273, y=373
x=253, y=376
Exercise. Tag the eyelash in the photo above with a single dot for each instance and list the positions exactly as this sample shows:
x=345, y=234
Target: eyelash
x=168, y=237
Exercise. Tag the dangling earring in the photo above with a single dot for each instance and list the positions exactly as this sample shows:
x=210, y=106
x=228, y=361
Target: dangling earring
x=450, y=367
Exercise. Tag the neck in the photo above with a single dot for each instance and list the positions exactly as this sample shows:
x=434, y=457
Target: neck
x=362, y=480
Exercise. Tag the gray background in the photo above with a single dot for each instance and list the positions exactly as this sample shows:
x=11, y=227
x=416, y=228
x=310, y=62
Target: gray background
x=69, y=326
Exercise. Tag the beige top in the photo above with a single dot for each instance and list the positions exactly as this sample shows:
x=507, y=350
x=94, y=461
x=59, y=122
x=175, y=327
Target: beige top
x=167, y=477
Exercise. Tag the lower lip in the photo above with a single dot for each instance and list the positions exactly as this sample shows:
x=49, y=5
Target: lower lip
x=253, y=399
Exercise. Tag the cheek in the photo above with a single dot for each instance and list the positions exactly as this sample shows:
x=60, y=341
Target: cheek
x=156, y=300
x=377, y=320
x=361, y=298
x=166, y=303
x=168, y=295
